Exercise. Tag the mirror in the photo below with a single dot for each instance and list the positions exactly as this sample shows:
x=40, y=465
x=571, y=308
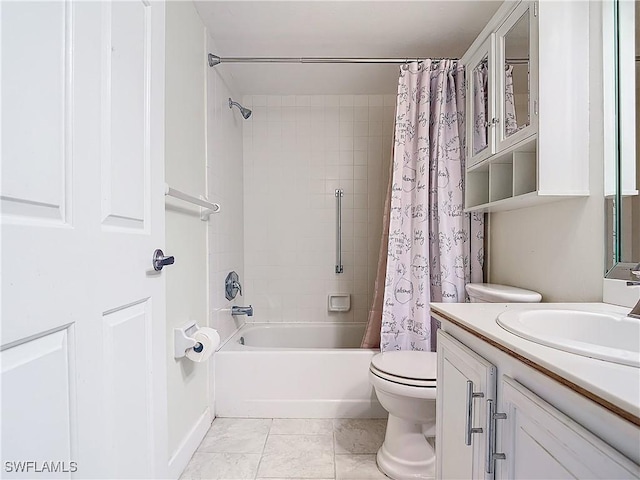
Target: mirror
x=480, y=95
x=622, y=169
x=516, y=76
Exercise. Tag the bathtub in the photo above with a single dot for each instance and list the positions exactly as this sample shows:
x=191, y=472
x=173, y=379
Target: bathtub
x=295, y=370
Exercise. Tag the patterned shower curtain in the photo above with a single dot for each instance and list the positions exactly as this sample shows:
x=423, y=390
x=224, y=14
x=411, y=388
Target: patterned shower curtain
x=511, y=121
x=480, y=79
x=434, y=248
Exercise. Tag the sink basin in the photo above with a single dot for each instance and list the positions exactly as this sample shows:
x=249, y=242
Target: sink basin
x=604, y=336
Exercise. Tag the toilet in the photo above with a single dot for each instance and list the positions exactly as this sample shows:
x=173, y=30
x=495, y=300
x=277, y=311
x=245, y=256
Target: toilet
x=405, y=384
x=495, y=293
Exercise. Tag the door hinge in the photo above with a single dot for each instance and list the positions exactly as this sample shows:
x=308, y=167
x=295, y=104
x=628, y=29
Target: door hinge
x=535, y=9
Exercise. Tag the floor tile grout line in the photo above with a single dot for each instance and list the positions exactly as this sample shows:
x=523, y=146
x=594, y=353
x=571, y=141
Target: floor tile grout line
x=335, y=467
x=264, y=446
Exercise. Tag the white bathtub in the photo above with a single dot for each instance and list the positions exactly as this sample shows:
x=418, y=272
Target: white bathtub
x=295, y=370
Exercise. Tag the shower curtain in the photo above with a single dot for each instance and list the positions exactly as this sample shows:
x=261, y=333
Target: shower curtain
x=480, y=79
x=434, y=248
x=511, y=121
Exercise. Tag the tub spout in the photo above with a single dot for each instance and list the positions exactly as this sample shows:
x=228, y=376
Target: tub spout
x=248, y=311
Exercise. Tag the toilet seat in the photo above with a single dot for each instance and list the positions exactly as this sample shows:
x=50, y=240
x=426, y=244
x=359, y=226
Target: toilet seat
x=410, y=368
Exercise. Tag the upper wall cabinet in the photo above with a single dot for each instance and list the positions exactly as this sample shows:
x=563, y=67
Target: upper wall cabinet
x=528, y=106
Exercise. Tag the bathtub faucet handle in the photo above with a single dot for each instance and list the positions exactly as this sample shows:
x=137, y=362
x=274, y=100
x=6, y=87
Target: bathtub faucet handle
x=232, y=286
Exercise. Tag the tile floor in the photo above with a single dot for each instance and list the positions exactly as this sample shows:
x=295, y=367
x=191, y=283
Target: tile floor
x=246, y=448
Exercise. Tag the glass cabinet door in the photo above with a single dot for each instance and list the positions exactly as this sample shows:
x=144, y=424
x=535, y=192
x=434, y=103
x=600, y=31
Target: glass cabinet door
x=517, y=105
x=480, y=104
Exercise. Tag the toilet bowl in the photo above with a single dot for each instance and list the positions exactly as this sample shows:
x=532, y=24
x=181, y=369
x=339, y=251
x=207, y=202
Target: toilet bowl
x=405, y=384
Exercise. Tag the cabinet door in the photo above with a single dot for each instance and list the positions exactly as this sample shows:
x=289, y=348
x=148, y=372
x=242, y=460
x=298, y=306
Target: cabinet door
x=461, y=408
x=540, y=442
x=480, y=103
x=516, y=77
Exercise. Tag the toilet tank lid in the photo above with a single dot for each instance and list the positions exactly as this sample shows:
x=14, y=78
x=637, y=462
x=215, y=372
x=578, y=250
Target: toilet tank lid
x=493, y=292
x=407, y=364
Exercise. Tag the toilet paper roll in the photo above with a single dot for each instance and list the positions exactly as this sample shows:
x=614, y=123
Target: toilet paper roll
x=209, y=339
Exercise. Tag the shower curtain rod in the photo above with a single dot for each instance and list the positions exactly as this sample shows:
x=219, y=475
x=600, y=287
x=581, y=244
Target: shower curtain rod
x=216, y=60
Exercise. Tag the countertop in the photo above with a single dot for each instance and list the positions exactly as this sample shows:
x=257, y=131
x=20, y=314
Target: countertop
x=616, y=384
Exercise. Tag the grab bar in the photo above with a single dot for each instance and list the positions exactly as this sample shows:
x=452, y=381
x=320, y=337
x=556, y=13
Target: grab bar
x=207, y=208
x=339, y=195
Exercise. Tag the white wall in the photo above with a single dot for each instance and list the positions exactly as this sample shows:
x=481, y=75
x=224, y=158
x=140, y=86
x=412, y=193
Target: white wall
x=203, y=155
x=185, y=163
x=557, y=249
x=297, y=151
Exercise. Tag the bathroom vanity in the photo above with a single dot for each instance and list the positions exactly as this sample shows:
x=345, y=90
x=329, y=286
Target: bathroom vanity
x=511, y=408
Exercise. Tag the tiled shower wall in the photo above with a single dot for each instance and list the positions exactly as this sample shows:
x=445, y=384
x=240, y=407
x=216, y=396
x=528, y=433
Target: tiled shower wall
x=297, y=151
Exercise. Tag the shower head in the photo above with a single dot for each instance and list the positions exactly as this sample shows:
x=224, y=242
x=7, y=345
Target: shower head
x=246, y=113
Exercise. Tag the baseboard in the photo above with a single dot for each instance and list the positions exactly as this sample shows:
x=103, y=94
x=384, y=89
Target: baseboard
x=190, y=443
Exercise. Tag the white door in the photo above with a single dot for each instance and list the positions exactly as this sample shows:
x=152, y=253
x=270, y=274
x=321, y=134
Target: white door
x=82, y=208
x=465, y=382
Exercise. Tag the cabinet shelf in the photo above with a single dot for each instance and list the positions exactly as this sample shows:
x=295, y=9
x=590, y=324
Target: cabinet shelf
x=505, y=180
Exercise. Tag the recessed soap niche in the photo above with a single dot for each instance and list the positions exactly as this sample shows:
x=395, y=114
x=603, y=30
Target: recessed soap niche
x=339, y=302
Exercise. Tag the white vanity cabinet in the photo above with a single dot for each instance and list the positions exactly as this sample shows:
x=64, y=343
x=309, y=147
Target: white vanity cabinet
x=461, y=410
x=527, y=124
x=518, y=434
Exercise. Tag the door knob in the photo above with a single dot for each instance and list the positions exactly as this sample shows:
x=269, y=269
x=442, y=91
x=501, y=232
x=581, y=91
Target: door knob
x=159, y=260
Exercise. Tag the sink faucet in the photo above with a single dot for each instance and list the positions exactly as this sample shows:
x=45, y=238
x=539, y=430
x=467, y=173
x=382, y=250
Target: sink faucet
x=248, y=311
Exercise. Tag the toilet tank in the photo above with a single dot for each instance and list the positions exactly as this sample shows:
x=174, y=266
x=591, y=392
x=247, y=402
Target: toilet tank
x=495, y=293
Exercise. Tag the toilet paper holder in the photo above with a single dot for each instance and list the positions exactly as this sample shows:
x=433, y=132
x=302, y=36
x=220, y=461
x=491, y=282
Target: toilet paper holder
x=183, y=339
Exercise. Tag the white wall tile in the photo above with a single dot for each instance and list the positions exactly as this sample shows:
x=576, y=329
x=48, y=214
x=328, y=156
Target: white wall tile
x=346, y=114
x=361, y=100
x=298, y=151
x=389, y=100
x=259, y=100
x=376, y=100
x=346, y=129
x=361, y=144
x=274, y=101
x=346, y=100
x=361, y=114
x=361, y=128
x=346, y=143
x=359, y=156
x=288, y=101
x=346, y=157
x=303, y=101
